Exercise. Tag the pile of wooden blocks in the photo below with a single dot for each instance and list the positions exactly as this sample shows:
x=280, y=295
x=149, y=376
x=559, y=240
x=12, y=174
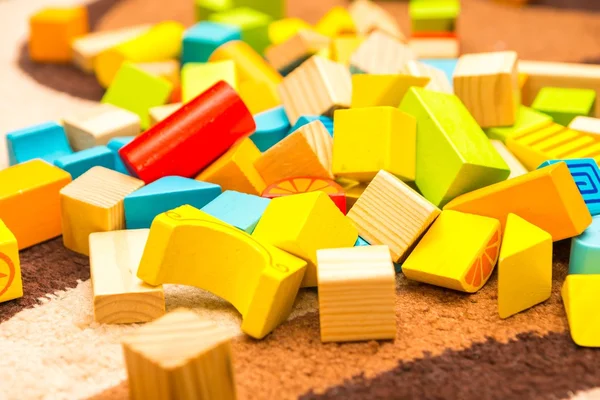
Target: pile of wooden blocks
x=336, y=161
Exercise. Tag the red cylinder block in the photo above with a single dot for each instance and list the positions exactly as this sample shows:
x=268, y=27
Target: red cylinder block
x=192, y=137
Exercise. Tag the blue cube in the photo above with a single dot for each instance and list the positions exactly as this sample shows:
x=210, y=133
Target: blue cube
x=78, y=163
x=238, y=209
x=202, y=39
x=115, y=145
x=47, y=141
x=585, y=250
x=271, y=126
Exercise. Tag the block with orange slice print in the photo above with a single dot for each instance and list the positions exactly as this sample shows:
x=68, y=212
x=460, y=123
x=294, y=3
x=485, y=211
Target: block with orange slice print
x=11, y=285
x=289, y=186
x=458, y=252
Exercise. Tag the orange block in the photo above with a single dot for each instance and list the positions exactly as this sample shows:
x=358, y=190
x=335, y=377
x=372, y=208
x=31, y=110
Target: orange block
x=547, y=197
x=235, y=170
x=52, y=30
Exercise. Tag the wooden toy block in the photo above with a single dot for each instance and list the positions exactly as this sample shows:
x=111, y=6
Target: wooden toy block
x=168, y=70
x=341, y=48
x=29, y=201
x=347, y=277
x=353, y=190
x=271, y=127
x=302, y=224
x=143, y=205
x=299, y=185
x=51, y=31
x=391, y=144
x=86, y=48
x=447, y=65
x=585, y=250
x=283, y=29
x=276, y=9
x=120, y=297
x=180, y=356
x=524, y=267
x=310, y=148
x=258, y=96
x=307, y=119
x=390, y=212
x=190, y=247
x=137, y=91
x=438, y=81
x=328, y=86
x=253, y=24
x=161, y=42
x=547, y=197
x=115, y=145
x=238, y=209
x=564, y=104
x=235, y=169
x=202, y=39
x=488, y=85
x=11, y=283
x=382, y=90
x=550, y=74
x=47, y=141
x=159, y=113
x=99, y=125
x=94, y=203
x=369, y=17
x=528, y=120
x=453, y=154
x=337, y=21
x=580, y=294
x=435, y=47
x=522, y=80
x=77, y=164
x=362, y=242
x=205, y=8
x=287, y=56
x=516, y=168
x=586, y=124
x=213, y=129
x=459, y=252
x=367, y=58
x=434, y=15
x=197, y=77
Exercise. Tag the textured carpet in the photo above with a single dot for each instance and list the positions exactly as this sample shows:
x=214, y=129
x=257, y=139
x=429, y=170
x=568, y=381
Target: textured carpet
x=448, y=346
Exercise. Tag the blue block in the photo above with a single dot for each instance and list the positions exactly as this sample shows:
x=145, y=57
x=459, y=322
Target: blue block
x=202, y=39
x=47, y=141
x=361, y=242
x=238, y=209
x=163, y=195
x=271, y=126
x=78, y=163
x=448, y=65
x=307, y=119
x=586, y=174
x=115, y=145
x=585, y=250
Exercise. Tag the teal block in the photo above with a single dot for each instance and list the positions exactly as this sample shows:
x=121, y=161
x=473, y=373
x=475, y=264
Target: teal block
x=47, y=141
x=448, y=65
x=79, y=163
x=361, y=242
x=307, y=119
x=585, y=250
x=115, y=145
x=202, y=39
x=238, y=209
x=253, y=24
x=271, y=126
x=163, y=195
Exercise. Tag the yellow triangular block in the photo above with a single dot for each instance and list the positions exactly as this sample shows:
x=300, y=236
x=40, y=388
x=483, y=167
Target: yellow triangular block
x=382, y=90
x=524, y=268
x=580, y=295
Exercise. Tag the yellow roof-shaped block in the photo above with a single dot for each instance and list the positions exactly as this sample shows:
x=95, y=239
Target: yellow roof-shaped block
x=580, y=294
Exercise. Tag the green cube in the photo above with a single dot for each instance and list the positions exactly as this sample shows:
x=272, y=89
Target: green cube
x=563, y=104
x=205, y=8
x=528, y=120
x=454, y=156
x=253, y=24
x=273, y=8
x=137, y=91
x=434, y=15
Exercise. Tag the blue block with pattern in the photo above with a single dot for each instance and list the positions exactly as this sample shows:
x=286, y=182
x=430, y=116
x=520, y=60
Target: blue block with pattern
x=47, y=141
x=238, y=209
x=202, y=39
x=79, y=163
x=115, y=145
x=271, y=126
x=307, y=119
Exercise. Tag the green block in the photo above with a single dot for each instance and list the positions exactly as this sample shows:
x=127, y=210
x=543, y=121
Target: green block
x=205, y=8
x=528, y=120
x=434, y=15
x=453, y=154
x=563, y=104
x=273, y=8
x=253, y=24
x=137, y=91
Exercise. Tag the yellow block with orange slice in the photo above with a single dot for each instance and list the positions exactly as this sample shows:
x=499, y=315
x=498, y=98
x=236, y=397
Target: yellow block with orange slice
x=11, y=285
x=289, y=186
x=458, y=252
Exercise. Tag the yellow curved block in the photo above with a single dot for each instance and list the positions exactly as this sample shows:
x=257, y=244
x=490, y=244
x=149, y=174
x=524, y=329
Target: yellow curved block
x=189, y=247
x=11, y=285
x=162, y=42
x=580, y=294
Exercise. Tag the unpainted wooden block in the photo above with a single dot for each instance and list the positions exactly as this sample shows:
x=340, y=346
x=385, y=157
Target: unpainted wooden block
x=286, y=56
x=586, y=124
x=337, y=21
x=516, y=168
x=438, y=81
x=167, y=69
x=11, y=283
x=580, y=294
x=383, y=90
x=369, y=17
x=381, y=53
x=435, y=47
x=159, y=113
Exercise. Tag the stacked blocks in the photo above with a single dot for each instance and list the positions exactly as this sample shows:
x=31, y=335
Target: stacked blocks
x=291, y=186
x=202, y=39
x=197, y=77
x=564, y=104
x=271, y=127
x=382, y=90
x=238, y=209
x=580, y=295
x=253, y=24
x=11, y=284
x=78, y=163
x=585, y=250
x=369, y=17
x=47, y=141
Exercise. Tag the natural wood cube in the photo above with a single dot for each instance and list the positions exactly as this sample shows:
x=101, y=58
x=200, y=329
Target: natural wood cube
x=381, y=54
x=288, y=55
x=370, y=17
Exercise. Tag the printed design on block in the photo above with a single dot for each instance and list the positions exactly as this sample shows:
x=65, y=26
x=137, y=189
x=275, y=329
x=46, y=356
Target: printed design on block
x=289, y=186
x=482, y=268
x=587, y=178
x=7, y=273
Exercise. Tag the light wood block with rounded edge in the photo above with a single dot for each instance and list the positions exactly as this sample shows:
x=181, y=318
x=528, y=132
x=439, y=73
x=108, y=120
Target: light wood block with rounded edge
x=317, y=87
x=11, y=283
x=305, y=152
x=383, y=90
x=306, y=43
x=369, y=59
x=524, y=267
x=390, y=212
x=235, y=169
x=94, y=203
x=580, y=294
x=488, y=85
x=586, y=124
x=302, y=224
x=547, y=197
x=357, y=293
x=459, y=252
x=159, y=113
x=187, y=246
x=180, y=357
x=435, y=47
x=438, y=81
x=120, y=297
x=369, y=17
x=516, y=168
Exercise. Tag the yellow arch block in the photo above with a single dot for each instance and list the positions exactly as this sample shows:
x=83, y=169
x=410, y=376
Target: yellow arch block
x=580, y=294
x=189, y=247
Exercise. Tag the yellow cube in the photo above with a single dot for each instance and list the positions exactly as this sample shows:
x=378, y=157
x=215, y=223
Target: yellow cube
x=580, y=294
x=371, y=90
x=196, y=78
x=370, y=139
x=458, y=252
x=337, y=21
x=258, y=96
x=304, y=223
x=11, y=285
